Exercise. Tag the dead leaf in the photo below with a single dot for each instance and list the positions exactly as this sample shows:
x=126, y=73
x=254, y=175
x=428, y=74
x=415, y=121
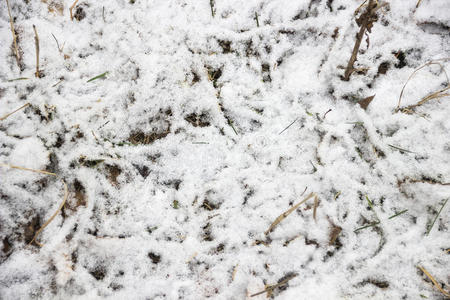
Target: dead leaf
x=366, y=101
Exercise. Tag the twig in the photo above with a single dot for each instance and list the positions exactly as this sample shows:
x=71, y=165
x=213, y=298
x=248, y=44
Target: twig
x=26, y=169
x=435, y=283
x=367, y=20
x=7, y=115
x=36, y=42
x=71, y=8
x=337, y=195
x=66, y=194
x=418, y=3
x=400, y=149
x=16, y=48
x=61, y=80
x=325, y=114
x=437, y=216
x=268, y=289
x=287, y=213
x=288, y=126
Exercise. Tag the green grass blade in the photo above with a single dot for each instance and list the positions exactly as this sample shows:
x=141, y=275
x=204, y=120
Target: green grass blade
x=16, y=79
x=437, y=216
x=98, y=76
x=398, y=214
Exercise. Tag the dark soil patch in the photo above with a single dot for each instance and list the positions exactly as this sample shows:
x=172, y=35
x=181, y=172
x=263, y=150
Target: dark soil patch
x=198, y=120
x=31, y=228
x=142, y=138
x=113, y=171
x=99, y=273
x=154, y=257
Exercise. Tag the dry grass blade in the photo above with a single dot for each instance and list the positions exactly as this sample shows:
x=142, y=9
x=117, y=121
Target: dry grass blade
x=71, y=9
x=359, y=7
x=435, y=283
x=437, y=216
x=66, y=194
x=269, y=288
x=36, y=41
x=335, y=231
x=60, y=49
x=364, y=103
x=435, y=62
x=436, y=95
x=16, y=48
x=418, y=3
x=27, y=169
x=287, y=213
x=7, y=115
x=234, y=272
x=316, y=204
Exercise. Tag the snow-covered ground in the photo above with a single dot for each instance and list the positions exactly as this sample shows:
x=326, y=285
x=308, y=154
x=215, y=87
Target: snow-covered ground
x=204, y=130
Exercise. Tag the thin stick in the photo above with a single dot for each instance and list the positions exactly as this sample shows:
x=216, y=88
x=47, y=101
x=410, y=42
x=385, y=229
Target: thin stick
x=400, y=149
x=437, y=216
x=287, y=213
x=270, y=288
x=366, y=21
x=337, y=195
x=71, y=8
x=26, y=169
x=436, y=284
x=7, y=115
x=288, y=126
x=36, y=42
x=418, y=3
x=66, y=194
x=16, y=49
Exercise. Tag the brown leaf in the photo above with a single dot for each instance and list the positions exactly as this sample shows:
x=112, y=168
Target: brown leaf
x=366, y=101
x=335, y=231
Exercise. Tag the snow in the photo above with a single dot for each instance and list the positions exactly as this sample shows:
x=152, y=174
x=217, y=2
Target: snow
x=180, y=158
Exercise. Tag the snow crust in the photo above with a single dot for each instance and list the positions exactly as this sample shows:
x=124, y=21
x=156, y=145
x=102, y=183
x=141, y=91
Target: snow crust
x=180, y=158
